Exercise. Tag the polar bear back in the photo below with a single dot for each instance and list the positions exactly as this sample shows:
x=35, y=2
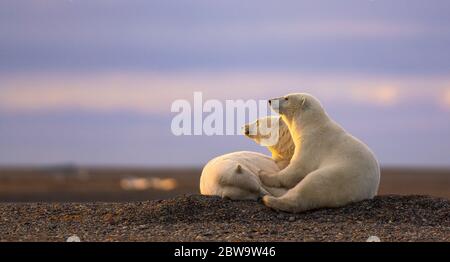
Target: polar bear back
x=342, y=150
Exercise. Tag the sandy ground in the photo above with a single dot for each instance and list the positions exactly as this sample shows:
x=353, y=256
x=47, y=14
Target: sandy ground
x=201, y=218
x=76, y=184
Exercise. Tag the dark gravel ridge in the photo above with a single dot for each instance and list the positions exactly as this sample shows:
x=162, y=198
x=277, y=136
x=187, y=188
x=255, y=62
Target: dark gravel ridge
x=201, y=218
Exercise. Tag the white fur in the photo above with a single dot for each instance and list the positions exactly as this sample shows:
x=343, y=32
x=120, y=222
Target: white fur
x=260, y=131
x=220, y=177
x=330, y=167
x=235, y=176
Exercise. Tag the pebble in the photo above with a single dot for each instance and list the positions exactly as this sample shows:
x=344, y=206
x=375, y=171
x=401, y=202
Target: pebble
x=73, y=238
x=373, y=239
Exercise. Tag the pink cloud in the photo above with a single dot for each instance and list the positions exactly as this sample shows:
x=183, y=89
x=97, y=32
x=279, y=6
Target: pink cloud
x=446, y=98
x=153, y=92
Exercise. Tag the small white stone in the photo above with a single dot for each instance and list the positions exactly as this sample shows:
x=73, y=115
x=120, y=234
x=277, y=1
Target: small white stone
x=373, y=239
x=73, y=238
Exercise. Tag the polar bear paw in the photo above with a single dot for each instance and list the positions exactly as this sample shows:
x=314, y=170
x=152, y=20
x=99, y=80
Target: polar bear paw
x=268, y=200
x=280, y=204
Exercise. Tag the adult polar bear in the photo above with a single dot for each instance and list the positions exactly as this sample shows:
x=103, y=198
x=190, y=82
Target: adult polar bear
x=330, y=167
x=235, y=175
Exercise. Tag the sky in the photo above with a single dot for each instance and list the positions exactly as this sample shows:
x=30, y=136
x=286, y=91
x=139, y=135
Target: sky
x=91, y=82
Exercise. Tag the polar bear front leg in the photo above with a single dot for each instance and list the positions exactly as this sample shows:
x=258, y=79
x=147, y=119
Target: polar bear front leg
x=287, y=178
x=324, y=187
x=269, y=179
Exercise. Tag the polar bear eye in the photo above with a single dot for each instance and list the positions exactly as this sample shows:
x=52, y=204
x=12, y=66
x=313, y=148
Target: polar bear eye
x=286, y=99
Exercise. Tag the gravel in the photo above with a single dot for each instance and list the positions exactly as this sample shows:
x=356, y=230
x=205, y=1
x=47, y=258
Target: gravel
x=202, y=218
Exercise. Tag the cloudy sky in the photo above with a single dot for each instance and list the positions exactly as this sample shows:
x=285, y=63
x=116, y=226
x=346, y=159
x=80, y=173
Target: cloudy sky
x=92, y=81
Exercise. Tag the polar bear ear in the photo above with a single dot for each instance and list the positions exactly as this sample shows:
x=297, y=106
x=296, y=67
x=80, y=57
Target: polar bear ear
x=238, y=169
x=303, y=102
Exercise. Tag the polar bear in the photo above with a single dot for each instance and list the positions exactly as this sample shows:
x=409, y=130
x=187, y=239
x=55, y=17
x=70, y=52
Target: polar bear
x=262, y=129
x=330, y=167
x=235, y=175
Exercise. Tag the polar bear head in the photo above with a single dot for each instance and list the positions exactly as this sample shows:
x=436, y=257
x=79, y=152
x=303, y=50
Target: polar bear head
x=264, y=131
x=272, y=131
x=302, y=107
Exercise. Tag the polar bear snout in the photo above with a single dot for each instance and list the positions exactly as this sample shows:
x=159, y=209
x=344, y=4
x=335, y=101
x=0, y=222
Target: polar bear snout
x=274, y=103
x=246, y=130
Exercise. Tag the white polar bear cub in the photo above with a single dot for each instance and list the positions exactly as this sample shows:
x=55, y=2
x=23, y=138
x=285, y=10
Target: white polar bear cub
x=235, y=175
x=330, y=167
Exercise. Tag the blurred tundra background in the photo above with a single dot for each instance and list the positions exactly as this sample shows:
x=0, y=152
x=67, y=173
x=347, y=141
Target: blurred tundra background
x=86, y=87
